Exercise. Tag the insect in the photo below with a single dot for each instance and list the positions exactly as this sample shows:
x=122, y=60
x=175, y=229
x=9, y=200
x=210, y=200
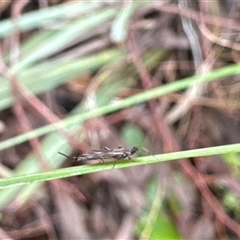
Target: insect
x=108, y=153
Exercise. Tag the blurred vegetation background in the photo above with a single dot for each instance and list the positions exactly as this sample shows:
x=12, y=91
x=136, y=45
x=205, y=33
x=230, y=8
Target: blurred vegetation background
x=120, y=73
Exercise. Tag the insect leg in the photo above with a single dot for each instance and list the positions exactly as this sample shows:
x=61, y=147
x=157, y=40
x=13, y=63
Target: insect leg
x=64, y=155
x=107, y=148
x=114, y=163
x=130, y=159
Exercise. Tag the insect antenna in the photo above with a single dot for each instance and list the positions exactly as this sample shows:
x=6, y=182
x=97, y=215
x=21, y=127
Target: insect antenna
x=146, y=150
x=66, y=155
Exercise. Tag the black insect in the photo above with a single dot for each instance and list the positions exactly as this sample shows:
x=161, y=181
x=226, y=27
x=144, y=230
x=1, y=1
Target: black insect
x=108, y=153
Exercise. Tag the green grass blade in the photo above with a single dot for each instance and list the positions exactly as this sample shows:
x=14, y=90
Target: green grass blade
x=86, y=169
x=130, y=101
x=51, y=74
x=40, y=17
x=61, y=39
